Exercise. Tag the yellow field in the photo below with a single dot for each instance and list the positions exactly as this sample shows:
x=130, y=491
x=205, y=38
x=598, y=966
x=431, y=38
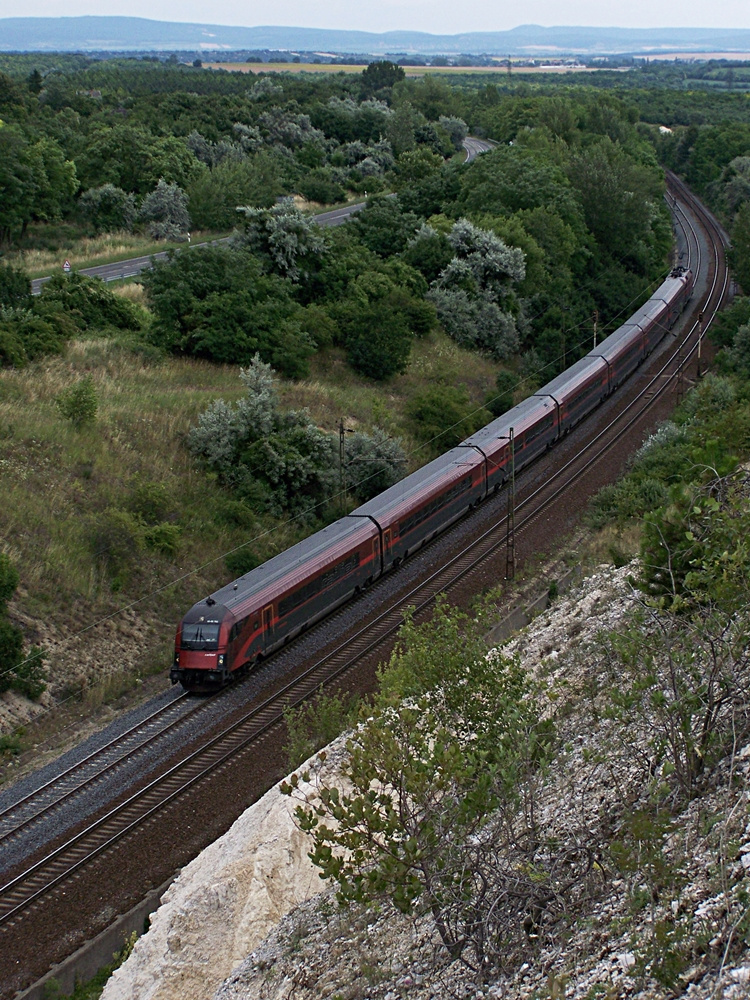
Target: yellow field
x=501, y=67
x=696, y=56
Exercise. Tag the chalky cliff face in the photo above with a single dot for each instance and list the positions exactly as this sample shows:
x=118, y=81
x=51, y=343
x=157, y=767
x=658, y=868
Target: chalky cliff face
x=246, y=919
x=223, y=904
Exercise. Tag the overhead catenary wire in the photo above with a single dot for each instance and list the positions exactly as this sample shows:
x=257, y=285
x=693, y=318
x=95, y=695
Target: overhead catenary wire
x=337, y=497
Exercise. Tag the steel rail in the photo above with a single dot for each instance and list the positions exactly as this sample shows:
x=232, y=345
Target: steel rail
x=240, y=737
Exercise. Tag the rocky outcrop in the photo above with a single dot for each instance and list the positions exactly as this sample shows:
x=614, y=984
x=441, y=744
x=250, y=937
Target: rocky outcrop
x=254, y=893
x=223, y=904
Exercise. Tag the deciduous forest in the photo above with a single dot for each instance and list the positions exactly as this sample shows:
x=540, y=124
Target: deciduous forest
x=146, y=427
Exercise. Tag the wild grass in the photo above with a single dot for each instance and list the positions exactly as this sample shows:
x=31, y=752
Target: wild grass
x=133, y=291
x=88, y=251
x=334, y=391
x=58, y=484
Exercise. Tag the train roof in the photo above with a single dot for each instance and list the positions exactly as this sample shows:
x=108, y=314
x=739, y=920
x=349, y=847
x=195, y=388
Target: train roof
x=519, y=417
x=572, y=377
x=322, y=547
x=612, y=344
x=451, y=466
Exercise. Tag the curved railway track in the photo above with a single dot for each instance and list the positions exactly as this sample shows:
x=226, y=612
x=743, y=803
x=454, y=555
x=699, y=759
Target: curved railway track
x=25, y=896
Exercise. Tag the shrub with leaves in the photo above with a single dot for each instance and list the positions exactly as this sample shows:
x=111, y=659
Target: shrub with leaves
x=216, y=303
x=680, y=687
x=373, y=463
x=283, y=237
x=277, y=461
x=443, y=415
x=108, y=208
x=317, y=723
x=87, y=301
x=165, y=210
x=15, y=287
x=695, y=551
x=437, y=814
x=25, y=674
x=79, y=402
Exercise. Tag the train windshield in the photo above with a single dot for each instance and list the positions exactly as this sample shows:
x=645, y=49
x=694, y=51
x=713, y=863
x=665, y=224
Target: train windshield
x=200, y=635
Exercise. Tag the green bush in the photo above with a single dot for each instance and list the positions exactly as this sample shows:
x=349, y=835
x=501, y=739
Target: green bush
x=117, y=538
x=150, y=501
x=15, y=287
x=79, y=402
x=318, y=723
x=30, y=674
x=11, y=649
x=318, y=185
x=163, y=538
x=88, y=301
x=442, y=416
x=501, y=400
x=241, y=561
x=8, y=580
x=12, y=354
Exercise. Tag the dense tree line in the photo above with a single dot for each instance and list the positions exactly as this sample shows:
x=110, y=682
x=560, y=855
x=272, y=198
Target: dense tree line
x=512, y=255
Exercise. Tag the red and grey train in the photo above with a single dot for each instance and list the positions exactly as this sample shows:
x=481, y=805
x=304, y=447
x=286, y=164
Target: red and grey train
x=235, y=627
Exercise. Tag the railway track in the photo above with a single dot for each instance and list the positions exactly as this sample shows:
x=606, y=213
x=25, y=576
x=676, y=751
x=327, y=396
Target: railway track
x=47, y=799
x=24, y=895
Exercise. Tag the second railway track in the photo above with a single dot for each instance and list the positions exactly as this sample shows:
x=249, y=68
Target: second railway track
x=25, y=898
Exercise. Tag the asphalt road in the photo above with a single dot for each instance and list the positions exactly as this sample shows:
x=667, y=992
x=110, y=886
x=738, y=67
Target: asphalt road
x=133, y=267
x=474, y=147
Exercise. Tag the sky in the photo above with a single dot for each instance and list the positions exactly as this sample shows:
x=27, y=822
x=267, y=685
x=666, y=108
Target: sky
x=434, y=16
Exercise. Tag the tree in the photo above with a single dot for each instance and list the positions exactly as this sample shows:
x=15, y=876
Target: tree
x=214, y=195
x=511, y=178
x=473, y=294
x=108, y=208
x=379, y=340
x=429, y=252
x=287, y=240
x=34, y=81
x=380, y=75
x=456, y=128
x=55, y=179
x=432, y=789
x=401, y=128
x=384, y=228
x=379, y=320
x=739, y=253
x=618, y=195
x=165, y=209
x=15, y=286
x=274, y=461
x=132, y=158
x=215, y=302
x=17, y=184
x=373, y=463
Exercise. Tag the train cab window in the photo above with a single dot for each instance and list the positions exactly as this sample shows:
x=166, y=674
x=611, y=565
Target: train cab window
x=237, y=628
x=200, y=635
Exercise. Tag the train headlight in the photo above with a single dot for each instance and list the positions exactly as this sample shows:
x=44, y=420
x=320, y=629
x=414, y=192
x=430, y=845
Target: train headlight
x=221, y=660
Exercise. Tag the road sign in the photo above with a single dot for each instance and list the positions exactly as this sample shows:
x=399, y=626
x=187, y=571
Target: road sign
x=66, y=266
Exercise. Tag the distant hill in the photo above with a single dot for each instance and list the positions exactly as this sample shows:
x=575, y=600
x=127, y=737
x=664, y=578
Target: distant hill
x=120, y=34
